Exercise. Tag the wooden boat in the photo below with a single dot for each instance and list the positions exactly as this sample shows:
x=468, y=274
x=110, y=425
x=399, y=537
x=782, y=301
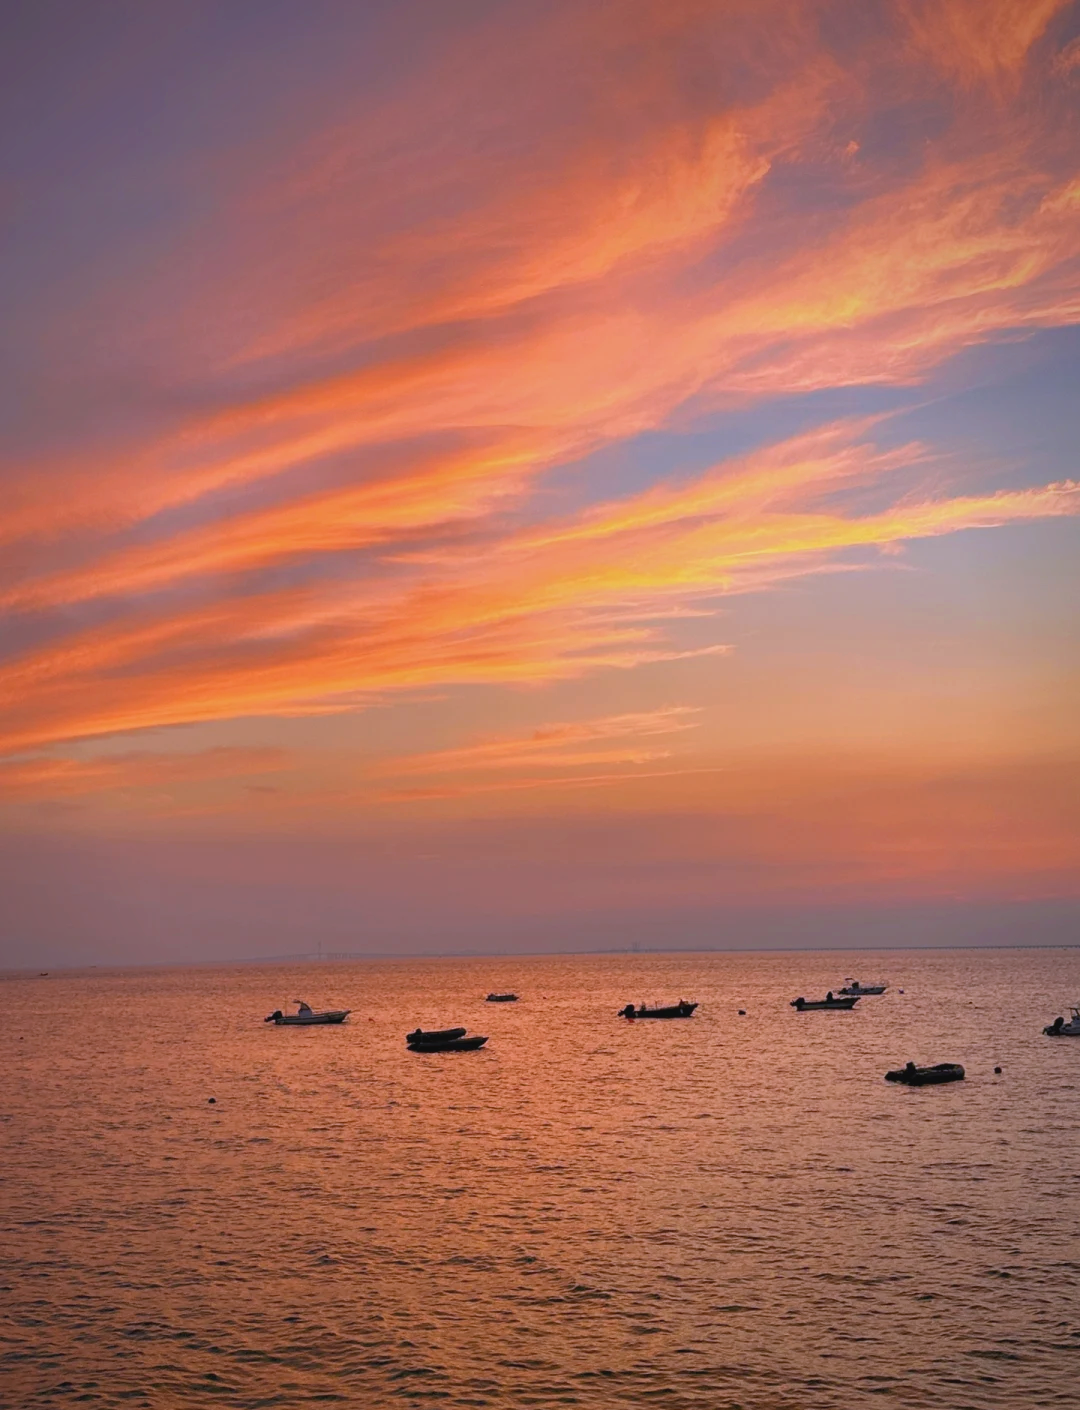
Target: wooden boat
x=802, y=1005
x=926, y=1076
x=449, y=1045
x=852, y=986
x=435, y=1035
x=306, y=1016
x=501, y=999
x=1060, y=1029
x=680, y=1010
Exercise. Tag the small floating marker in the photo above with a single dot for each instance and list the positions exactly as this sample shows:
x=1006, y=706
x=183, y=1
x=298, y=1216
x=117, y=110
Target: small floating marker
x=211, y=1100
x=742, y=1013
x=997, y=1070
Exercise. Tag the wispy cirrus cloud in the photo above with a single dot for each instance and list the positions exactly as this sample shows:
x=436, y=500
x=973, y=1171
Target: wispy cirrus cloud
x=343, y=490
x=51, y=777
x=612, y=739
x=538, y=604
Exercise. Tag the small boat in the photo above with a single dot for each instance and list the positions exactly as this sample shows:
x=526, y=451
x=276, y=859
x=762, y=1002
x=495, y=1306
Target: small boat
x=828, y=1002
x=926, y=1076
x=306, y=1016
x=435, y=1035
x=680, y=1010
x=1060, y=1029
x=457, y=1044
x=501, y=999
x=852, y=986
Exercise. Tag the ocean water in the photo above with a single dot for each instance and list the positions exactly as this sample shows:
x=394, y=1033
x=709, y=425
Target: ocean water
x=722, y=1212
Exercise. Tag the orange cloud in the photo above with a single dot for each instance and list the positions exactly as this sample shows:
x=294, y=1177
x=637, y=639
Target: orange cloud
x=47, y=777
x=570, y=285
x=587, y=294
x=614, y=739
x=537, y=605
x=977, y=40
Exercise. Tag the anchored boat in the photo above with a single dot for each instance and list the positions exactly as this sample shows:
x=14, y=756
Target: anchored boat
x=680, y=1010
x=1060, y=1029
x=852, y=986
x=443, y=1040
x=830, y=1001
x=306, y=1016
x=914, y=1076
x=501, y=999
x=435, y=1035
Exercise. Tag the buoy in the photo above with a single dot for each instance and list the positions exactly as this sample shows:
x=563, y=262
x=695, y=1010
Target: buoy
x=998, y=1071
x=211, y=1100
x=742, y=1012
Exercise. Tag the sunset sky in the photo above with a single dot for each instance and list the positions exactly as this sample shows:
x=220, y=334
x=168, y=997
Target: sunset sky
x=538, y=474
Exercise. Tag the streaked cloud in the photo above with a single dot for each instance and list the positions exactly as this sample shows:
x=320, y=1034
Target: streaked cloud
x=614, y=739
x=534, y=605
x=49, y=777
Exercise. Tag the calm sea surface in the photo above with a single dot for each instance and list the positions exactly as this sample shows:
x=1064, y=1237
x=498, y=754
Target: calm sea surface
x=720, y=1212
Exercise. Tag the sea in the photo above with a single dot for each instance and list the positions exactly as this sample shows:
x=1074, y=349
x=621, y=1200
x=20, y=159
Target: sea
x=733, y=1211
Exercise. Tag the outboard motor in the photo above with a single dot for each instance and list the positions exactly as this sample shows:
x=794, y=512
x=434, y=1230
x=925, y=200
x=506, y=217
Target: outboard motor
x=273, y=1017
x=627, y=1012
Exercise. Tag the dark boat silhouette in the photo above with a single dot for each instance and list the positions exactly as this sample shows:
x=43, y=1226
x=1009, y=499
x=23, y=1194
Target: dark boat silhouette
x=501, y=999
x=802, y=1005
x=914, y=1076
x=680, y=1010
x=450, y=1040
x=435, y=1035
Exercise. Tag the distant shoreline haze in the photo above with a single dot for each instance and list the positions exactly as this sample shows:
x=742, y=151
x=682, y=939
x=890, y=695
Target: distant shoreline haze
x=976, y=939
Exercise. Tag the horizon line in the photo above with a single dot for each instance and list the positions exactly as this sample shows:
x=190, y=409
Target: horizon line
x=345, y=957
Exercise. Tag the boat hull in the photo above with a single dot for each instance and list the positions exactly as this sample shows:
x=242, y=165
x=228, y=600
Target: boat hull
x=435, y=1035
x=860, y=991
x=308, y=1020
x=501, y=999
x=671, y=1011
x=805, y=1005
x=927, y=1076
x=449, y=1045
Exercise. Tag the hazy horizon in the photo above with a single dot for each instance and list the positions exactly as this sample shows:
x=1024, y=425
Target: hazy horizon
x=405, y=957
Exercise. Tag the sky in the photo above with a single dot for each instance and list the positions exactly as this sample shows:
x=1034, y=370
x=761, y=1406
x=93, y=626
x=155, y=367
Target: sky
x=538, y=475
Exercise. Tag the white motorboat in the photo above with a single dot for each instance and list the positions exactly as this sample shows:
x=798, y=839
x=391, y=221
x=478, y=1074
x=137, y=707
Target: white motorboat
x=306, y=1016
x=1060, y=1029
x=852, y=986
